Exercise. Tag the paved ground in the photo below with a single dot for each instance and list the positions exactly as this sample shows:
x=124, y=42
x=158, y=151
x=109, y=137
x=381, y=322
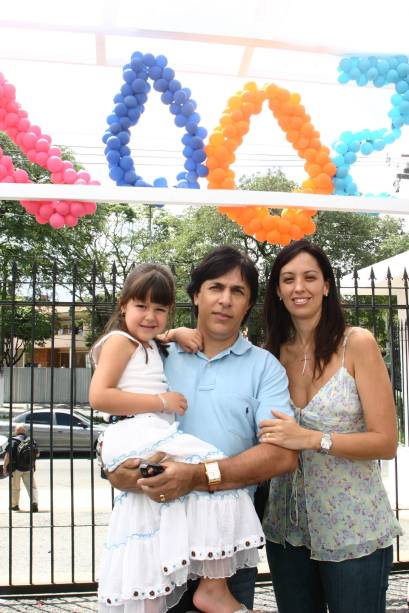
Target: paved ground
x=396, y=600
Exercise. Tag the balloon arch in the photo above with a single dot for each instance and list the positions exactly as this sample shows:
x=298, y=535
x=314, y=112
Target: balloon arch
x=327, y=172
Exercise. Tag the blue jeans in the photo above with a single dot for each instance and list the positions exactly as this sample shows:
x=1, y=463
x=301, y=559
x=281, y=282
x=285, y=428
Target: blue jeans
x=302, y=585
x=241, y=585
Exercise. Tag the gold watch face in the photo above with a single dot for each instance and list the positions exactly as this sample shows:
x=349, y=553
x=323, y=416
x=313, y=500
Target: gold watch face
x=213, y=472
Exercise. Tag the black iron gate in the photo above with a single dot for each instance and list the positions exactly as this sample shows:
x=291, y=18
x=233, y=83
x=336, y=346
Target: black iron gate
x=47, y=323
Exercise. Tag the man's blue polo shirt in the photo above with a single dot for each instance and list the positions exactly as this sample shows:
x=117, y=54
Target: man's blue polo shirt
x=229, y=394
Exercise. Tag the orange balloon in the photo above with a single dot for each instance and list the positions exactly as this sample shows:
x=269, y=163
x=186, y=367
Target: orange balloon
x=273, y=236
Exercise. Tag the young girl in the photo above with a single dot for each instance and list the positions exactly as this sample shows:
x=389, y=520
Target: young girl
x=154, y=548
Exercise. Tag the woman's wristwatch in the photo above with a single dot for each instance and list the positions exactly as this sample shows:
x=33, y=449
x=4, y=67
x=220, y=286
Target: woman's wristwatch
x=326, y=443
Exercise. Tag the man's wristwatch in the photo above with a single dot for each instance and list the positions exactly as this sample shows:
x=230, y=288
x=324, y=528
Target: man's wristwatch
x=326, y=443
x=213, y=475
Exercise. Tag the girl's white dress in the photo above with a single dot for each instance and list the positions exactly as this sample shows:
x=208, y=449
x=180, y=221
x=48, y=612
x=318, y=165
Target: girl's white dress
x=153, y=548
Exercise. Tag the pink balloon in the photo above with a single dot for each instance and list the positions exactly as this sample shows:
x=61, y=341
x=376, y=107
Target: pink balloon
x=57, y=177
x=83, y=174
x=46, y=210
x=36, y=130
x=23, y=125
x=80, y=182
x=21, y=176
x=55, y=151
x=7, y=162
x=54, y=164
x=67, y=164
x=71, y=221
x=29, y=140
x=77, y=209
x=41, y=220
x=31, y=207
x=42, y=144
x=2, y=114
x=70, y=175
x=11, y=119
x=3, y=171
x=90, y=207
x=12, y=133
x=9, y=91
x=41, y=158
x=94, y=183
x=56, y=221
x=62, y=207
x=31, y=155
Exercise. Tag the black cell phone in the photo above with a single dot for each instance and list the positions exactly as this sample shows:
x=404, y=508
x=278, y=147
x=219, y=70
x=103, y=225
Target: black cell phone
x=148, y=469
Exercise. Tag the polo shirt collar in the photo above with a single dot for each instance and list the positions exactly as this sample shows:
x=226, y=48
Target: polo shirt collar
x=239, y=347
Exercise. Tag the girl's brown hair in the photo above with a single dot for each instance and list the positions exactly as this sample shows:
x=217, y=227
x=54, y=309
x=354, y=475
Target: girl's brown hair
x=146, y=281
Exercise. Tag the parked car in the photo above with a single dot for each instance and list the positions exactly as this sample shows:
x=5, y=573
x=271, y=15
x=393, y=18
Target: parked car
x=61, y=420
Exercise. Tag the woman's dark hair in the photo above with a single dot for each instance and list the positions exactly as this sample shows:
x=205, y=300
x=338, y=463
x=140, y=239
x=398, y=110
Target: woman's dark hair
x=279, y=325
x=220, y=261
x=153, y=281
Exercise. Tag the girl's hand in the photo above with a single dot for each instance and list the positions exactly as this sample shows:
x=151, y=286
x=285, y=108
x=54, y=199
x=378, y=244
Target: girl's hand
x=190, y=340
x=284, y=432
x=174, y=402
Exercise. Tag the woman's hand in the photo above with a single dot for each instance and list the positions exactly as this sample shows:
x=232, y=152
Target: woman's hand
x=285, y=432
x=190, y=340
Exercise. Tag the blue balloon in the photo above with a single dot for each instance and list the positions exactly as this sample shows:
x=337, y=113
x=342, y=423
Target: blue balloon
x=126, y=162
x=372, y=73
x=354, y=146
x=161, y=85
x=125, y=123
x=379, y=144
x=160, y=182
x=115, y=128
x=188, y=108
x=342, y=171
x=366, y=148
x=162, y=61
x=125, y=150
x=350, y=157
x=113, y=142
x=148, y=59
x=130, y=177
x=189, y=164
x=383, y=66
x=129, y=75
x=167, y=97
x=198, y=155
x=168, y=74
x=201, y=170
x=116, y=173
x=181, y=175
x=175, y=85
x=180, y=97
x=138, y=85
x=402, y=87
x=113, y=157
x=130, y=101
x=175, y=109
x=126, y=90
x=392, y=76
x=180, y=120
x=155, y=72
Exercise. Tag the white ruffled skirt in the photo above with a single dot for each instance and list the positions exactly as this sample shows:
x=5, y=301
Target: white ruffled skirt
x=152, y=548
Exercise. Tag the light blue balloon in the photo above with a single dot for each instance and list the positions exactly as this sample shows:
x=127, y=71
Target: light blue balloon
x=379, y=81
x=346, y=136
x=341, y=147
x=354, y=146
x=403, y=69
x=366, y=148
x=379, y=144
x=382, y=66
x=342, y=171
x=350, y=157
x=346, y=64
x=402, y=87
x=392, y=76
x=343, y=78
x=372, y=73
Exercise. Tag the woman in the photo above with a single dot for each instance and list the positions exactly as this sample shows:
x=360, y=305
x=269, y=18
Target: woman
x=329, y=526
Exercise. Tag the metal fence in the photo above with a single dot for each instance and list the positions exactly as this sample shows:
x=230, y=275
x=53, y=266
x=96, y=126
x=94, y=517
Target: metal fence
x=58, y=549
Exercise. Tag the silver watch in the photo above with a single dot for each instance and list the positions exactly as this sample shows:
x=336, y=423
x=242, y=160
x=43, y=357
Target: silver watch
x=326, y=443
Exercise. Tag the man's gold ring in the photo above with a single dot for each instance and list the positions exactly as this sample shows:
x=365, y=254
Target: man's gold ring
x=162, y=497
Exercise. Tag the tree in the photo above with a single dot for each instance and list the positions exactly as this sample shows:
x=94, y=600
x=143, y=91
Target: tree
x=19, y=329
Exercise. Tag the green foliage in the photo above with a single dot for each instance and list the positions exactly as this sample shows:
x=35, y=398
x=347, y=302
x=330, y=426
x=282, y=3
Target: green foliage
x=19, y=328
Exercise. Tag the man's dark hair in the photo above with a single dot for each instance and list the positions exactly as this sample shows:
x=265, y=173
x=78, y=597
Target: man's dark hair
x=220, y=261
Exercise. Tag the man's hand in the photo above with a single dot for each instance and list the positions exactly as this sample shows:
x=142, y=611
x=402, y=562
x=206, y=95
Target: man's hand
x=125, y=477
x=176, y=480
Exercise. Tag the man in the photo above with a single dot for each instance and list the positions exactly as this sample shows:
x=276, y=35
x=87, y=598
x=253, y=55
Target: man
x=230, y=385
x=19, y=471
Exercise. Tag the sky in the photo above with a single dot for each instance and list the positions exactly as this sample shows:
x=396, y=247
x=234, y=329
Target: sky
x=70, y=97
